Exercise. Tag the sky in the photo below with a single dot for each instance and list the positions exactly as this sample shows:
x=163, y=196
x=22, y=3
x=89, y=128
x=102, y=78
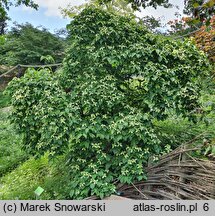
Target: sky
x=49, y=13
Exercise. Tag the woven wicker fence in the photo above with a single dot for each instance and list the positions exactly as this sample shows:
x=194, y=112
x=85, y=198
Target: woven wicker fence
x=177, y=175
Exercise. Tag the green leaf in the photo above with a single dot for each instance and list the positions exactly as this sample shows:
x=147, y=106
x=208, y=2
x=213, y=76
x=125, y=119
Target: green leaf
x=71, y=194
x=207, y=150
x=92, y=186
x=195, y=5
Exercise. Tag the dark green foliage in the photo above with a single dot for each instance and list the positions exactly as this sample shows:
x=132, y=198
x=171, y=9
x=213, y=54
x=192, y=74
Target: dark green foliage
x=176, y=131
x=116, y=81
x=167, y=72
x=26, y=44
x=40, y=110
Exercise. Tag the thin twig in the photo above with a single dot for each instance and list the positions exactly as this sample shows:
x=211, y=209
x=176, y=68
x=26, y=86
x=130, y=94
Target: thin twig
x=195, y=160
x=139, y=191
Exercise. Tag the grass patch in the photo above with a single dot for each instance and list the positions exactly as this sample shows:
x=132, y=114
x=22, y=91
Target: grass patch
x=11, y=153
x=4, y=100
x=23, y=181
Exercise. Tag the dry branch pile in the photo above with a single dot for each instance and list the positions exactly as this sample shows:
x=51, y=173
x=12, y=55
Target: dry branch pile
x=177, y=175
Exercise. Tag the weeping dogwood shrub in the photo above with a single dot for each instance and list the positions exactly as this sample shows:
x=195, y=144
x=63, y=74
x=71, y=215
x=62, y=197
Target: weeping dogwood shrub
x=117, y=78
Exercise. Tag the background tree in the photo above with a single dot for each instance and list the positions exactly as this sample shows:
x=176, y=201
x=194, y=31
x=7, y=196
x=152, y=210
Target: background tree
x=202, y=33
x=205, y=39
x=100, y=109
x=5, y=6
x=182, y=26
x=136, y=4
x=3, y=24
x=153, y=24
x=26, y=44
x=198, y=9
x=119, y=6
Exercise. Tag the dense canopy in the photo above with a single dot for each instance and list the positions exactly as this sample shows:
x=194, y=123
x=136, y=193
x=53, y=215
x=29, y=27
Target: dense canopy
x=25, y=44
x=117, y=78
